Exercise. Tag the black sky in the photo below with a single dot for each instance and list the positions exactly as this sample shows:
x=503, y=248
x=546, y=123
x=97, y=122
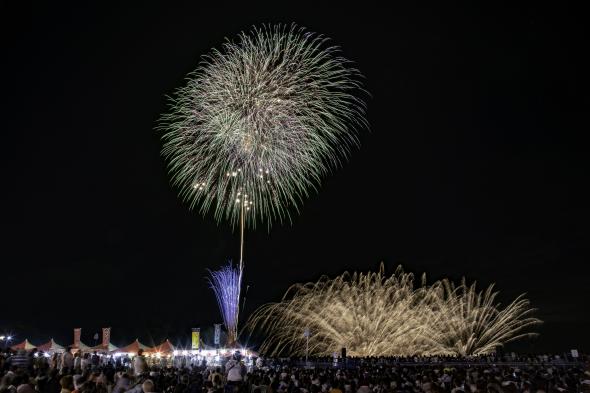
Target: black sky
x=476, y=165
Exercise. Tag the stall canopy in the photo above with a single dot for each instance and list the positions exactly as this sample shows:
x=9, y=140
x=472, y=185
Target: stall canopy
x=105, y=348
x=81, y=347
x=165, y=347
x=134, y=347
x=51, y=346
x=26, y=345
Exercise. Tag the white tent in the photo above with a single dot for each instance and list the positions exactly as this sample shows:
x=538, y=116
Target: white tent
x=26, y=345
x=51, y=347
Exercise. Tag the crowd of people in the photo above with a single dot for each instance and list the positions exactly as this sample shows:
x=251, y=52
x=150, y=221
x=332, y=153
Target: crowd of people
x=31, y=372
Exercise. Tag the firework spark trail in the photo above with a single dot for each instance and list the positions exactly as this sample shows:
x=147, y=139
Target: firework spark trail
x=373, y=315
x=227, y=283
x=260, y=123
x=473, y=322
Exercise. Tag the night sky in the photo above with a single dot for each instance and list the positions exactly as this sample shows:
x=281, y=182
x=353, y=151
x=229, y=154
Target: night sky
x=475, y=166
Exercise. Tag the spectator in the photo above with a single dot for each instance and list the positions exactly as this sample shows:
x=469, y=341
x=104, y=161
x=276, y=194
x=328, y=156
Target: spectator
x=487, y=374
x=21, y=360
x=26, y=386
x=235, y=371
x=85, y=363
x=148, y=386
x=67, y=361
x=95, y=360
x=67, y=384
x=139, y=363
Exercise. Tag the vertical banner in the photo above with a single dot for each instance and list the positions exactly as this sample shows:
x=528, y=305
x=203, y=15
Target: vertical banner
x=217, y=337
x=106, y=337
x=77, y=334
x=195, y=338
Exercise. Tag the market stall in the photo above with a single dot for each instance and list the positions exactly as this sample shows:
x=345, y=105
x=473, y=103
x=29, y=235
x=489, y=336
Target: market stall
x=26, y=345
x=133, y=348
x=51, y=347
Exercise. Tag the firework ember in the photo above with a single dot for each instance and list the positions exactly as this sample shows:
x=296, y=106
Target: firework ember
x=374, y=315
x=260, y=123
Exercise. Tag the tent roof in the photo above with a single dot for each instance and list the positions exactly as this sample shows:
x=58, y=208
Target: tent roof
x=134, y=347
x=166, y=347
x=26, y=345
x=109, y=348
x=51, y=346
x=81, y=347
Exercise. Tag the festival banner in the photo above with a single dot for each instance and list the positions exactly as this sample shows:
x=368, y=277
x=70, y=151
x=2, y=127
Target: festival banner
x=106, y=337
x=217, y=337
x=77, y=334
x=195, y=338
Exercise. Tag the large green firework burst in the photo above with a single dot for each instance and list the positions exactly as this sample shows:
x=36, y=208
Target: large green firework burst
x=260, y=122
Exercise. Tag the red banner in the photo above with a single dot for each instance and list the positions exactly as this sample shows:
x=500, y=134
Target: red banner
x=77, y=334
x=106, y=336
